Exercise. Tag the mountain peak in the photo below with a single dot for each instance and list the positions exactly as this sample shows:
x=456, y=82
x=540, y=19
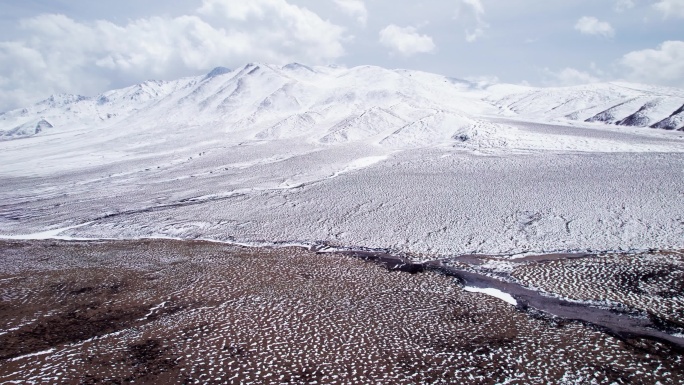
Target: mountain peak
x=278, y=101
x=218, y=71
x=297, y=66
x=57, y=100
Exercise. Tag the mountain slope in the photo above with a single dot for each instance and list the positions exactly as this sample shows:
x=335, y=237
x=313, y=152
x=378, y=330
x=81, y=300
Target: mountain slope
x=261, y=101
x=330, y=105
x=674, y=121
x=355, y=157
x=621, y=104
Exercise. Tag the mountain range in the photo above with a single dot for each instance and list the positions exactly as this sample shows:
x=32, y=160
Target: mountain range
x=395, y=108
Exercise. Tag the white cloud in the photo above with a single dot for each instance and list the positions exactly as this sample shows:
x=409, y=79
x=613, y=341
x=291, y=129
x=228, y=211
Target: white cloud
x=664, y=65
x=406, y=41
x=592, y=26
x=58, y=54
x=476, y=5
x=354, y=8
x=670, y=8
x=472, y=12
x=237, y=10
x=281, y=26
x=623, y=5
x=569, y=77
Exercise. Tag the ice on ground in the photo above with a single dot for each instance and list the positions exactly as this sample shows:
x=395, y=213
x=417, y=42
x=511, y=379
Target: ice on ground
x=496, y=293
x=361, y=163
x=43, y=235
x=42, y=353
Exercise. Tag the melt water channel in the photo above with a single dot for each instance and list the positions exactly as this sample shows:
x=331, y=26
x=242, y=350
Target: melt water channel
x=620, y=324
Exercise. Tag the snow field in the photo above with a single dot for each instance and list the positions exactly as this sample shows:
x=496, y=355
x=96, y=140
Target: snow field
x=365, y=156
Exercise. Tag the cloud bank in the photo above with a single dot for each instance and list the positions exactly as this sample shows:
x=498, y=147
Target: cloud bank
x=60, y=54
x=663, y=65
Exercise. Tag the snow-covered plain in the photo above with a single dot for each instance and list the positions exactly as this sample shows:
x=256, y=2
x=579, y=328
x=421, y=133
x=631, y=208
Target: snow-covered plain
x=366, y=156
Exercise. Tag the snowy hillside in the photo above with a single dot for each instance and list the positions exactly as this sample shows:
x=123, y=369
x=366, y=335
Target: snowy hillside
x=331, y=105
x=364, y=156
x=612, y=103
x=324, y=104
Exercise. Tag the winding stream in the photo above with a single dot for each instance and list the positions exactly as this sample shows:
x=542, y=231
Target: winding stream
x=619, y=324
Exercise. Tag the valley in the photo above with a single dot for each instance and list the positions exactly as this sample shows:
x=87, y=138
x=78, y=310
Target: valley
x=294, y=224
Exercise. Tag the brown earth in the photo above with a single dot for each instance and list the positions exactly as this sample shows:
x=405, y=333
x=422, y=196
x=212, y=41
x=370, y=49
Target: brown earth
x=199, y=312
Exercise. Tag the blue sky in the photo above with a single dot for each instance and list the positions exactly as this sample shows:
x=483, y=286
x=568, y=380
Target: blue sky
x=86, y=47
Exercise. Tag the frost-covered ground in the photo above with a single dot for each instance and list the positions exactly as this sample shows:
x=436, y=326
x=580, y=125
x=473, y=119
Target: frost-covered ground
x=650, y=283
x=367, y=157
x=186, y=312
x=436, y=201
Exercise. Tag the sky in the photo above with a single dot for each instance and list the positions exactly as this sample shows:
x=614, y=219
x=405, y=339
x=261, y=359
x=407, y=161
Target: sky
x=86, y=47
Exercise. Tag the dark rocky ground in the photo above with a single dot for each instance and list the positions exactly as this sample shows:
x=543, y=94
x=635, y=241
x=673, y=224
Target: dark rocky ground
x=199, y=312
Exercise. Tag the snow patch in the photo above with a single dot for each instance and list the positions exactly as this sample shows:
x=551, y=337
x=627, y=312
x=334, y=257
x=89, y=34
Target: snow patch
x=496, y=293
x=42, y=353
x=361, y=163
x=43, y=235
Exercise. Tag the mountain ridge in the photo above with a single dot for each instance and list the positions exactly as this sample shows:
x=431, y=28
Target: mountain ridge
x=263, y=98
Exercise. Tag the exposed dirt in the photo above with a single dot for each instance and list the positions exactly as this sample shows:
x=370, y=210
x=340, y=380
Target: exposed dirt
x=198, y=312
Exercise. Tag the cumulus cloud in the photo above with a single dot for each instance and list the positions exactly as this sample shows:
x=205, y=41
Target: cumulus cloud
x=59, y=54
x=472, y=12
x=592, y=26
x=569, y=77
x=406, y=41
x=664, y=65
x=282, y=27
x=354, y=8
x=670, y=8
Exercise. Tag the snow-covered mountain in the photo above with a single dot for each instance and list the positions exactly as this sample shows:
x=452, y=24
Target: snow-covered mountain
x=364, y=156
x=333, y=105
x=324, y=104
x=621, y=104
